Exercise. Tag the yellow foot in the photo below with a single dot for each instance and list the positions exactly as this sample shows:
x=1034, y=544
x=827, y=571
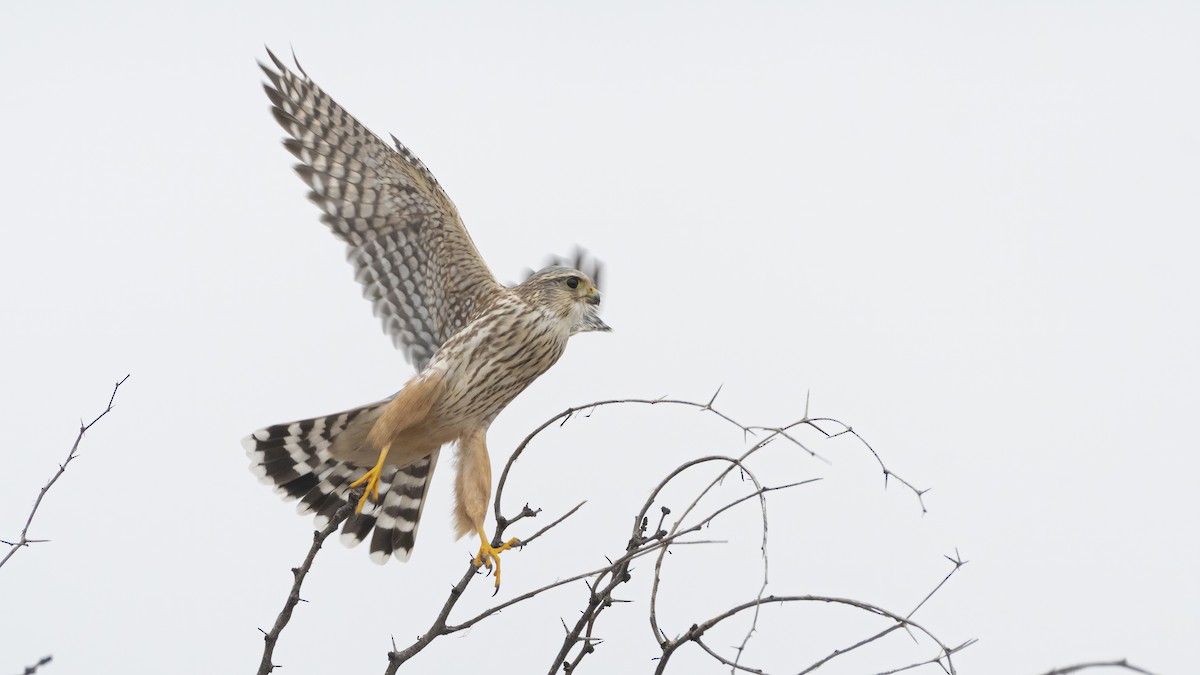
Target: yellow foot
x=488, y=555
x=371, y=478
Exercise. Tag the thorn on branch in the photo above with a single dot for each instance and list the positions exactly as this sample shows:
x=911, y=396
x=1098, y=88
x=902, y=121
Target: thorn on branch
x=957, y=559
x=708, y=406
x=30, y=670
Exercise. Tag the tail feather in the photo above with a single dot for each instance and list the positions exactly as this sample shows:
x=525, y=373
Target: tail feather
x=295, y=458
x=281, y=471
x=296, y=487
x=328, y=495
x=359, y=525
x=402, y=506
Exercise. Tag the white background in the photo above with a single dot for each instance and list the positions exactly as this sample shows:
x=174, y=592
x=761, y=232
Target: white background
x=968, y=229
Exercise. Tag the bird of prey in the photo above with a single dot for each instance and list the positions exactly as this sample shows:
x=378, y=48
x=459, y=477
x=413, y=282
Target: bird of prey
x=474, y=343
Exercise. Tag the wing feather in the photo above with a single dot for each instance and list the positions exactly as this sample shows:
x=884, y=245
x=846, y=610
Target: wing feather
x=417, y=264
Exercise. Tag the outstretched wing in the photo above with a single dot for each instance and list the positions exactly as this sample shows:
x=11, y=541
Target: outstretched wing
x=410, y=250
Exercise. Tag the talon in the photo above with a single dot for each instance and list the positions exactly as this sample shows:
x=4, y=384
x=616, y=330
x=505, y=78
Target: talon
x=487, y=554
x=371, y=479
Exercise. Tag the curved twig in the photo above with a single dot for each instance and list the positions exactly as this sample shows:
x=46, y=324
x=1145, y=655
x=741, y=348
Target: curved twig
x=618, y=573
x=1121, y=663
x=733, y=665
x=733, y=463
x=698, y=630
x=602, y=581
x=887, y=473
x=565, y=415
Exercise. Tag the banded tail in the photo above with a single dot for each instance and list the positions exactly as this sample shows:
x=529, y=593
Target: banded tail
x=295, y=458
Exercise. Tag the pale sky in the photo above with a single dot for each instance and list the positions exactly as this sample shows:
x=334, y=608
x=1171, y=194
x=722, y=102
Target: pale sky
x=968, y=229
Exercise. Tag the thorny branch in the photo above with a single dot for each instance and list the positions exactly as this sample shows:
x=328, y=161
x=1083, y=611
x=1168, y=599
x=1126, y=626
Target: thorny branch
x=580, y=638
x=23, y=540
x=699, y=629
x=887, y=473
x=958, y=563
x=747, y=431
x=298, y=573
x=739, y=463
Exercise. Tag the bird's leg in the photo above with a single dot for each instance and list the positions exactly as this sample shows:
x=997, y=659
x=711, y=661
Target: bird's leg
x=487, y=554
x=472, y=489
x=371, y=478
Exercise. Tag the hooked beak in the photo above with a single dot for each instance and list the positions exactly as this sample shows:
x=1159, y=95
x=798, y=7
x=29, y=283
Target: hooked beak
x=590, y=321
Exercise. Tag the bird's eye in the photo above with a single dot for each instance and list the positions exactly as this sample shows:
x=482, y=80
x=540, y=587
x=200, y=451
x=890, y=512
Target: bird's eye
x=573, y=282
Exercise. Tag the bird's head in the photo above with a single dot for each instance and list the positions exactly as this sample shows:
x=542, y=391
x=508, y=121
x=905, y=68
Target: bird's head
x=568, y=293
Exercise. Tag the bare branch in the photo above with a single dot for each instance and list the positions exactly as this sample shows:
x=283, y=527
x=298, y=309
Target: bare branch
x=958, y=563
x=618, y=573
x=698, y=630
x=528, y=540
x=733, y=665
x=580, y=639
x=1121, y=663
x=298, y=573
x=436, y=630
x=567, y=414
x=842, y=652
x=739, y=463
x=887, y=473
x=937, y=659
x=733, y=463
x=23, y=540
x=440, y=627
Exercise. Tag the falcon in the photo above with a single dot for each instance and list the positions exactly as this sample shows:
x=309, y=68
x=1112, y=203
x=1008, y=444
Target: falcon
x=474, y=343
